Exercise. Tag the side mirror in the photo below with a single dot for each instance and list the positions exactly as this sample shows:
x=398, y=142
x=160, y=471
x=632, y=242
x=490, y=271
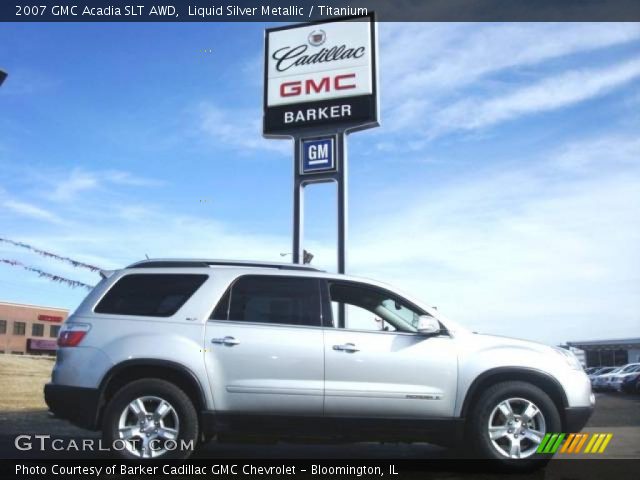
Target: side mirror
x=428, y=325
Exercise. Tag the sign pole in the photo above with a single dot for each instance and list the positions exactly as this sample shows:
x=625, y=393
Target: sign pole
x=341, y=161
x=298, y=199
x=341, y=154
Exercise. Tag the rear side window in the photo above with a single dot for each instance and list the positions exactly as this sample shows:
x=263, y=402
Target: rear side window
x=150, y=295
x=271, y=299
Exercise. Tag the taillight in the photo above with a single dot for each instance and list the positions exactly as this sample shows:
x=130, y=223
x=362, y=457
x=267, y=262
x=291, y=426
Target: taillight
x=72, y=334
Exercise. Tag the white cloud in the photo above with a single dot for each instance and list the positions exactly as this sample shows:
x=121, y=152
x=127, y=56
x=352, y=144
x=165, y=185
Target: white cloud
x=425, y=70
x=454, y=55
x=549, y=94
x=237, y=128
x=128, y=179
x=31, y=211
x=78, y=181
x=68, y=186
x=604, y=153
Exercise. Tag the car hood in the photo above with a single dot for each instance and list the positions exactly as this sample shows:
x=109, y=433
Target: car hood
x=499, y=341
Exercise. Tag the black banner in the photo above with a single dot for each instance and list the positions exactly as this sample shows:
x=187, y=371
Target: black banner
x=344, y=112
x=316, y=469
x=310, y=10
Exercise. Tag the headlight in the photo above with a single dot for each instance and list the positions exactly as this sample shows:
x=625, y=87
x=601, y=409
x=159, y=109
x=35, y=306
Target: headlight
x=570, y=359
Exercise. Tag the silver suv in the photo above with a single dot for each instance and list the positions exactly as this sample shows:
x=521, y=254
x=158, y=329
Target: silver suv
x=165, y=354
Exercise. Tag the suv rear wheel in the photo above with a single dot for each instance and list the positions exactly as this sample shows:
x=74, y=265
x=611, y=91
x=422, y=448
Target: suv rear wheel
x=150, y=418
x=509, y=421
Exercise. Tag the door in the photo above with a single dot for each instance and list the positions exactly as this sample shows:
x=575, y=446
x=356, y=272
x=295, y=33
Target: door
x=379, y=365
x=265, y=349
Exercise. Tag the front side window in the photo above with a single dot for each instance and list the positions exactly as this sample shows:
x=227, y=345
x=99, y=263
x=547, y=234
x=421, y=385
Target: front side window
x=150, y=295
x=271, y=299
x=370, y=308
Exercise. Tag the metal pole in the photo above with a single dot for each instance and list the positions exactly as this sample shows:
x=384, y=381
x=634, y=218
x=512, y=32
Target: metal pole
x=298, y=199
x=341, y=152
x=341, y=162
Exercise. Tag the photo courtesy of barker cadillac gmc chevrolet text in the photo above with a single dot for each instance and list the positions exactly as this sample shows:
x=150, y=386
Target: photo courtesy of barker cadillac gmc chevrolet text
x=173, y=350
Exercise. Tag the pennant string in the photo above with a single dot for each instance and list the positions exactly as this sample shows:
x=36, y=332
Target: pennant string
x=43, y=274
x=44, y=253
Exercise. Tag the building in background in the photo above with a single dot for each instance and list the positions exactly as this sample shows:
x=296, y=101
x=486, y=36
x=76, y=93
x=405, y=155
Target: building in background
x=29, y=329
x=609, y=353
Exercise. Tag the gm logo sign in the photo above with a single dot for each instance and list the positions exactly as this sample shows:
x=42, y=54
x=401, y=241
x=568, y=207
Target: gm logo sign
x=318, y=155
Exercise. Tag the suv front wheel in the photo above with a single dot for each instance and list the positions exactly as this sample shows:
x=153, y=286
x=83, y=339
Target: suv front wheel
x=150, y=418
x=509, y=421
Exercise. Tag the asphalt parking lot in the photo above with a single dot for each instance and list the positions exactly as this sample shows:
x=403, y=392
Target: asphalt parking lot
x=615, y=413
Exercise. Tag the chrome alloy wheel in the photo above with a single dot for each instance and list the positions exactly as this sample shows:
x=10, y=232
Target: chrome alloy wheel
x=516, y=428
x=149, y=427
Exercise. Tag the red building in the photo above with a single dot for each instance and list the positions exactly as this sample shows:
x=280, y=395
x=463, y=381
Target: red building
x=29, y=329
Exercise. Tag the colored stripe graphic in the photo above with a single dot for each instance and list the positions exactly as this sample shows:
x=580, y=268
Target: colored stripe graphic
x=593, y=440
x=550, y=443
x=558, y=443
x=568, y=442
x=597, y=442
x=583, y=439
x=608, y=438
x=546, y=438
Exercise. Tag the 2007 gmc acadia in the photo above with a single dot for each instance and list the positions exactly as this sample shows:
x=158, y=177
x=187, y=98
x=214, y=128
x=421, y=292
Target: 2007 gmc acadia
x=187, y=350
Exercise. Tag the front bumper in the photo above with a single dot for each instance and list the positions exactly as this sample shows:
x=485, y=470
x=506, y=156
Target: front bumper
x=79, y=405
x=575, y=418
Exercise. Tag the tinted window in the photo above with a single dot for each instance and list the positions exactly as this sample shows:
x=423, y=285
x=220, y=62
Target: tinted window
x=265, y=299
x=150, y=295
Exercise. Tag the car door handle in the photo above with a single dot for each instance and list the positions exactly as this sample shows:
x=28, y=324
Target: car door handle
x=228, y=341
x=347, y=347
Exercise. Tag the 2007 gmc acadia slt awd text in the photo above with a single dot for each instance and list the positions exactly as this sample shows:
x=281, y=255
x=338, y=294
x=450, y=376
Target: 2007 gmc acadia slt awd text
x=188, y=350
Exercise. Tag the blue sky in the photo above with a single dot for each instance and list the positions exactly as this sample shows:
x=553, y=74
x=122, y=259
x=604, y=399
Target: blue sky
x=503, y=186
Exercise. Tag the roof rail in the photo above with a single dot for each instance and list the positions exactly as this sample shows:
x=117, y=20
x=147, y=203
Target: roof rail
x=181, y=263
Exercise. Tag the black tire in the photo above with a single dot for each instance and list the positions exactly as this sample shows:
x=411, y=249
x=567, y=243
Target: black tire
x=477, y=432
x=183, y=410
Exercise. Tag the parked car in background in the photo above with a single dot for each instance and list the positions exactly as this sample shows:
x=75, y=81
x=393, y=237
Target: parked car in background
x=599, y=382
x=600, y=371
x=605, y=382
x=618, y=379
x=590, y=370
x=631, y=384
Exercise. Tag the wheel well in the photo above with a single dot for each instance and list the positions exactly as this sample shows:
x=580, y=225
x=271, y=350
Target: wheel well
x=125, y=373
x=535, y=377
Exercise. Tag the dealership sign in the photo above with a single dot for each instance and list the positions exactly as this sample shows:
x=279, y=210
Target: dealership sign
x=320, y=76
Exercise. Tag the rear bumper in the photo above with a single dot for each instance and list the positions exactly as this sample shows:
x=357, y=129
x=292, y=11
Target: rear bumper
x=575, y=418
x=79, y=405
